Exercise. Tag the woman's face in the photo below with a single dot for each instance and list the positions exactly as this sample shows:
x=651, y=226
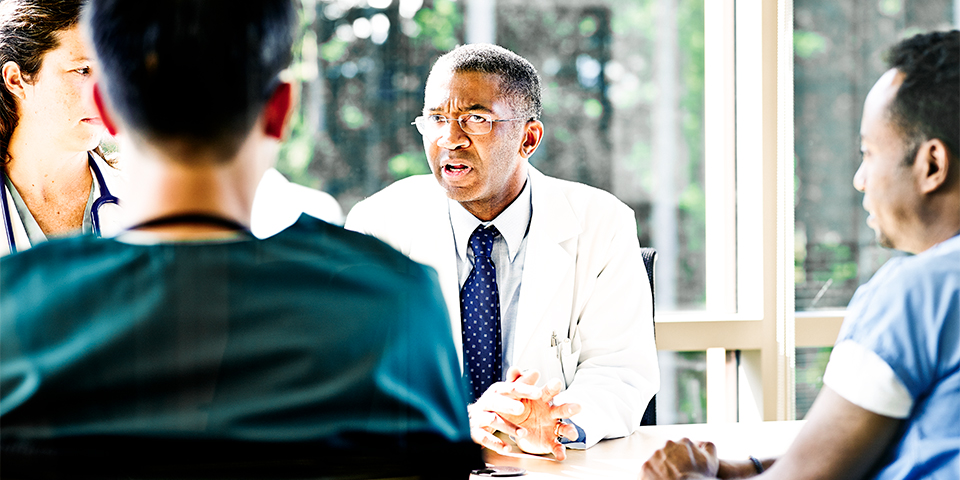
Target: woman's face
x=58, y=104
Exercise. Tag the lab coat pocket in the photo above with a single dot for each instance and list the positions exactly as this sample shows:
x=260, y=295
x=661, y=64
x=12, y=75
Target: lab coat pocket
x=569, y=358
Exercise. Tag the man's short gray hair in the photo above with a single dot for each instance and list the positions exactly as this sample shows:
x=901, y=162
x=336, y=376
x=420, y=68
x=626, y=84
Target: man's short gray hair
x=519, y=81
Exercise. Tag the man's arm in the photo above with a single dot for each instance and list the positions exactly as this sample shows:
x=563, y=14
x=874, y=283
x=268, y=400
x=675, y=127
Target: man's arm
x=616, y=372
x=840, y=440
x=612, y=369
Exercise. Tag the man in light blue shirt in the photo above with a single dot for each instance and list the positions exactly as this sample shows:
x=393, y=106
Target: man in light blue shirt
x=890, y=405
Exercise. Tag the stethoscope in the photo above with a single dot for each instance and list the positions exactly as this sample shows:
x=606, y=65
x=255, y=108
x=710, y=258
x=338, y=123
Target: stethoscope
x=105, y=198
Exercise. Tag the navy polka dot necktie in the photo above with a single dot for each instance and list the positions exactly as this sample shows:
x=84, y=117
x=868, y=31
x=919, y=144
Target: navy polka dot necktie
x=480, y=314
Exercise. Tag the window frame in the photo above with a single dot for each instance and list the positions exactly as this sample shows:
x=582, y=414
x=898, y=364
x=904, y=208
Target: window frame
x=750, y=231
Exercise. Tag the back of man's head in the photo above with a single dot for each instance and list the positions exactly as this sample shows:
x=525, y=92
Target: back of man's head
x=927, y=104
x=196, y=72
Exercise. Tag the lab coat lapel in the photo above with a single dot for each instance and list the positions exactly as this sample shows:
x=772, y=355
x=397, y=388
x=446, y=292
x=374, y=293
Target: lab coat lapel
x=15, y=227
x=551, y=247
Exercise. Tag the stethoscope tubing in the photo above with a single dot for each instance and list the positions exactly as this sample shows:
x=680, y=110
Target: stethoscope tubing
x=7, y=222
x=105, y=198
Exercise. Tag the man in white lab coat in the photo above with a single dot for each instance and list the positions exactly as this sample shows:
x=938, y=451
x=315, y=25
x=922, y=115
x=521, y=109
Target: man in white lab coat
x=574, y=305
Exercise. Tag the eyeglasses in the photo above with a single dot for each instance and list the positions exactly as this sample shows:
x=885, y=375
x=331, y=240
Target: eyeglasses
x=470, y=123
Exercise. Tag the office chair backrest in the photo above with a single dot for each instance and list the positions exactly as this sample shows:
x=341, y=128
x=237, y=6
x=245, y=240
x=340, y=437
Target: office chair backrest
x=649, y=261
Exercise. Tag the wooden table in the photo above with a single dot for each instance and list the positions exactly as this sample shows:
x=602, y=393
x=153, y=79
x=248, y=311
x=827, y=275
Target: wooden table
x=623, y=458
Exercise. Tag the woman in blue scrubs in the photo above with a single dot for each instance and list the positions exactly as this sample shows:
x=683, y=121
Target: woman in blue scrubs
x=55, y=180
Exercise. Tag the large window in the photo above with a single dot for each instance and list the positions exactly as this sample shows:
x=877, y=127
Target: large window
x=838, y=50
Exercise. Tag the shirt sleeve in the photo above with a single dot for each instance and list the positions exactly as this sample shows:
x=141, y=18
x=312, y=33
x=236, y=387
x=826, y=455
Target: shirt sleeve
x=861, y=377
x=580, y=443
x=897, y=334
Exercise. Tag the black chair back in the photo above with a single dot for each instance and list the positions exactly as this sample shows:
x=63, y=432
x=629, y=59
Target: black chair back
x=649, y=261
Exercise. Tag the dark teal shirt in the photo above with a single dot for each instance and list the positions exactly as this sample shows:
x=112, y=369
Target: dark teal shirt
x=314, y=333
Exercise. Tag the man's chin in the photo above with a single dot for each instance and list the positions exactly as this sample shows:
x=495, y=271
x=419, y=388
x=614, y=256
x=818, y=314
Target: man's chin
x=459, y=194
x=884, y=241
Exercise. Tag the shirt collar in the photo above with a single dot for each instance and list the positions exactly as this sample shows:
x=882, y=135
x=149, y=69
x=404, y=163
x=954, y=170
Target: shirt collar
x=511, y=223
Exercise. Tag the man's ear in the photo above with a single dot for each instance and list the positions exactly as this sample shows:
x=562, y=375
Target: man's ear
x=932, y=165
x=105, y=116
x=278, y=110
x=532, y=135
x=13, y=79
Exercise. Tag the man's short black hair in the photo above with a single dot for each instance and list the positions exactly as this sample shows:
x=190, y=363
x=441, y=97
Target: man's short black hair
x=519, y=81
x=927, y=104
x=193, y=71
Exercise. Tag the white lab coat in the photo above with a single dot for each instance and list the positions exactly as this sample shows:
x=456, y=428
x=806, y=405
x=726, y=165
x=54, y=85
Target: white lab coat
x=278, y=204
x=583, y=281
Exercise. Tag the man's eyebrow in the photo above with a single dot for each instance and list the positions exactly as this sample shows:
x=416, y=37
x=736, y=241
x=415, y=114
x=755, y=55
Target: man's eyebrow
x=477, y=106
x=472, y=108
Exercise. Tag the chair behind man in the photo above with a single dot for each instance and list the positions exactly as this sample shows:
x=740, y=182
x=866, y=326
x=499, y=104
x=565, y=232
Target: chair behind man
x=649, y=262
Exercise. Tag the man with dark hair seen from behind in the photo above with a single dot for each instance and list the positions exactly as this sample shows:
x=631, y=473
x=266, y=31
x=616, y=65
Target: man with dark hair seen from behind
x=561, y=352
x=185, y=346
x=890, y=403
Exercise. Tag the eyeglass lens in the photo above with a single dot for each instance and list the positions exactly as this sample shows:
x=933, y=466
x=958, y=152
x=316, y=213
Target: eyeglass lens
x=473, y=124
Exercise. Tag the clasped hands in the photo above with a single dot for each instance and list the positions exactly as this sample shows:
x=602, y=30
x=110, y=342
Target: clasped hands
x=524, y=411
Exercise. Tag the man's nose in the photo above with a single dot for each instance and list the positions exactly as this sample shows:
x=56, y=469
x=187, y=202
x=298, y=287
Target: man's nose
x=452, y=136
x=860, y=178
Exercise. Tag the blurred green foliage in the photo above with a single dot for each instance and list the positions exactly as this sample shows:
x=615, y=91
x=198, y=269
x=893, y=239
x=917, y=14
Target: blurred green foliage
x=333, y=50
x=807, y=44
x=890, y=7
x=440, y=25
x=588, y=26
x=691, y=375
x=592, y=108
x=352, y=117
x=407, y=164
x=692, y=201
x=810, y=365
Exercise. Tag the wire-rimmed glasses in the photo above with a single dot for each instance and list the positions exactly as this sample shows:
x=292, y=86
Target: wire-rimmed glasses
x=470, y=123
